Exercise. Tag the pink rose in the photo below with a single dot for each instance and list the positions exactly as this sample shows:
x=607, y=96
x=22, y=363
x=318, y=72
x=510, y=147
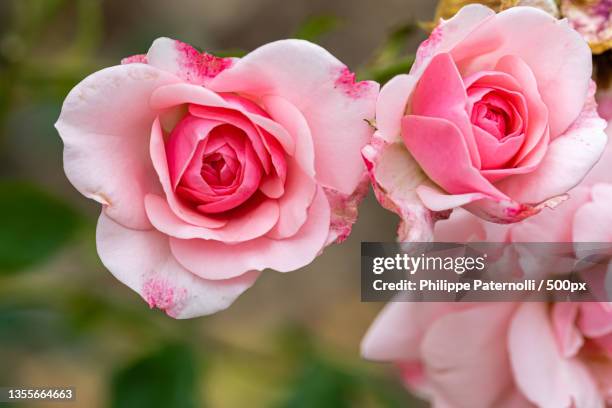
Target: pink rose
x=502, y=355
x=212, y=169
x=497, y=115
x=509, y=354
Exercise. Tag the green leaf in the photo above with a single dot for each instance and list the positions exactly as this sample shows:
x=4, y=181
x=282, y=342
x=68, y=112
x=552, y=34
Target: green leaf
x=395, y=45
x=166, y=378
x=33, y=326
x=323, y=386
x=89, y=26
x=391, y=58
x=388, y=392
x=317, y=26
x=33, y=225
x=385, y=73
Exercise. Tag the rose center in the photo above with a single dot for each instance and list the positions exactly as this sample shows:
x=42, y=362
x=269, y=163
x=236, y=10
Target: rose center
x=491, y=119
x=216, y=170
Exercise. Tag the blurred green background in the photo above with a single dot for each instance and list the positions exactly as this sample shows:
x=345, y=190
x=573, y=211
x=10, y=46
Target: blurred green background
x=290, y=341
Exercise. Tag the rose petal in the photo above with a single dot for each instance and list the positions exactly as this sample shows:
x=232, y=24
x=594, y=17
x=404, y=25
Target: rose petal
x=545, y=227
x=183, y=142
x=568, y=336
x=542, y=374
x=461, y=226
x=510, y=211
x=344, y=210
x=300, y=190
x=567, y=161
x=437, y=200
x=391, y=106
x=441, y=150
x=483, y=358
x=276, y=130
x=142, y=260
x=290, y=118
x=398, y=331
x=185, y=61
x=241, y=122
x=440, y=93
x=249, y=184
x=250, y=222
x=334, y=107
x=217, y=260
x=105, y=150
x=395, y=177
x=169, y=96
x=183, y=93
x=559, y=58
x=600, y=173
x=495, y=153
x=160, y=163
x=448, y=34
x=595, y=319
x=592, y=221
x=232, y=145
x=537, y=125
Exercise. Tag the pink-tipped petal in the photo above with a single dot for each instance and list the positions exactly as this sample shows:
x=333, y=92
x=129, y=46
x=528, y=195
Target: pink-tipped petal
x=510, y=211
x=395, y=177
x=545, y=227
x=142, y=260
x=344, y=210
x=105, y=150
x=185, y=61
x=448, y=34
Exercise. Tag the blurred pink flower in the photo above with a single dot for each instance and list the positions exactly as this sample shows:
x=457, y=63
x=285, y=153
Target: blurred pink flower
x=509, y=354
x=592, y=19
x=497, y=115
x=498, y=354
x=212, y=169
